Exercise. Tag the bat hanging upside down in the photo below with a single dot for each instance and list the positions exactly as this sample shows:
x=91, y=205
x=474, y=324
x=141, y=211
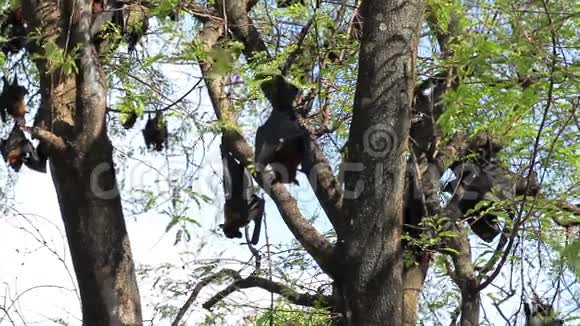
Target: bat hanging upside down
x=18, y=150
x=155, y=132
x=242, y=204
x=283, y=144
x=12, y=100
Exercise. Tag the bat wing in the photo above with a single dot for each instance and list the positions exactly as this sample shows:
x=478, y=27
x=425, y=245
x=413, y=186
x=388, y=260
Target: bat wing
x=130, y=120
x=28, y=150
x=3, y=149
x=256, y=213
x=146, y=138
x=237, y=183
x=36, y=159
x=280, y=129
x=266, y=154
x=256, y=207
x=227, y=175
x=284, y=125
x=248, y=185
x=264, y=150
x=15, y=138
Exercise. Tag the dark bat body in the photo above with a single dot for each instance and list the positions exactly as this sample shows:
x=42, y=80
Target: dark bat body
x=283, y=144
x=475, y=189
x=480, y=178
x=129, y=120
x=242, y=204
x=12, y=100
x=18, y=150
x=155, y=133
x=136, y=24
x=13, y=29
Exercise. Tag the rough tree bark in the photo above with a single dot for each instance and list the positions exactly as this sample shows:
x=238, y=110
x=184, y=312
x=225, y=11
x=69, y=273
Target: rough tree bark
x=71, y=125
x=371, y=241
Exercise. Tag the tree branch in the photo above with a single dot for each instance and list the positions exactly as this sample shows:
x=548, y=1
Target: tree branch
x=56, y=144
x=91, y=103
x=565, y=206
x=301, y=299
x=200, y=12
x=198, y=287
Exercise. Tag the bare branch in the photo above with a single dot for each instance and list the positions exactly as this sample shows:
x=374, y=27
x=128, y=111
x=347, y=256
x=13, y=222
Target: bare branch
x=565, y=206
x=301, y=299
x=55, y=143
x=200, y=12
x=198, y=287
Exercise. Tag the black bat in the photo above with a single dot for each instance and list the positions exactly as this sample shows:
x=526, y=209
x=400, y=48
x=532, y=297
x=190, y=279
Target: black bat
x=242, y=204
x=282, y=143
x=129, y=120
x=14, y=31
x=18, y=150
x=479, y=184
x=105, y=12
x=38, y=162
x=12, y=100
x=155, y=133
x=135, y=25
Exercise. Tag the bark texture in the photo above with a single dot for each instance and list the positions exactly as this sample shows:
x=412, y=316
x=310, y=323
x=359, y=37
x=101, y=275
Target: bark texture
x=413, y=280
x=371, y=242
x=71, y=126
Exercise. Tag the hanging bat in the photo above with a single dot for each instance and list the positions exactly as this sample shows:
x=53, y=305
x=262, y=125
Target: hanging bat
x=242, y=204
x=39, y=163
x=283, y=144
x=12, y=100
x=136, y=24
x=13, y=30
x=129, y=120
x=104, y=12
x=155, y=133
x=18, y=150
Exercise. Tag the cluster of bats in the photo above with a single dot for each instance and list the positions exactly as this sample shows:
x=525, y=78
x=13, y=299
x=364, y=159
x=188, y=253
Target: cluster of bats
x=17, y=149
x=282, y=144
x=131, y=18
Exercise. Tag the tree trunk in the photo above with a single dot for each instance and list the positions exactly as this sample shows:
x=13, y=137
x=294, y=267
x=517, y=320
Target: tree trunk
x=470, y=300
x=371, y=241
x=97, y=237
x=413, y=281
x=465, y=278
x=70, y=124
